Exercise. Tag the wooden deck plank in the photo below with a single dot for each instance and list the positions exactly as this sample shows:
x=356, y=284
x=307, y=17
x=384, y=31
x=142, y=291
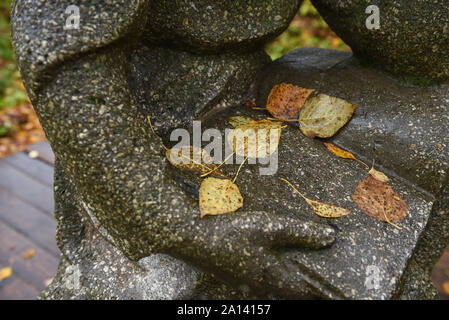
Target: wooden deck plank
x=24, y=187
x=35, y=271
x=27, y=220
x=44, y=150
x=15, y=288
x=35, y=168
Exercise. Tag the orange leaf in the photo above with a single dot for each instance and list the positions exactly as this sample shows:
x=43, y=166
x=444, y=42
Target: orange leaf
x=28, y=253
x=339, y=152
x=342, y=153
x=286, y=100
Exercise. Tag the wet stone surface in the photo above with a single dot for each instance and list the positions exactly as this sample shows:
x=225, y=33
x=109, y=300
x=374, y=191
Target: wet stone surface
x=204, y=26
x=405, y=130
x=175, y=87
x=122, y=208
x=364, y=247
x=412, y=41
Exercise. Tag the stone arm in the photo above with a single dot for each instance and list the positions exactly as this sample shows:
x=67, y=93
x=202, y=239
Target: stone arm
x=77, y=82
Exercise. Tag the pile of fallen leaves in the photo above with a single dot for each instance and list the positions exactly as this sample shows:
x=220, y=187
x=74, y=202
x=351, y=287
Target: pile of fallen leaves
x=318, y=115
x=19, y=127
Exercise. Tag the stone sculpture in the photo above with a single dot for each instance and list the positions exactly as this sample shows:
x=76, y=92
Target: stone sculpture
x=128, y=222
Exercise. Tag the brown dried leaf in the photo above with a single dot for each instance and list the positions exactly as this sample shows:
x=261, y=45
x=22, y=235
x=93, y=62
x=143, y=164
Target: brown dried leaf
x=285, y=100
x=219, y=196
x=256, y=139
x=322, y=116
x=193, y=159
x=236, y=121
x=5, y=273
x=378, y=200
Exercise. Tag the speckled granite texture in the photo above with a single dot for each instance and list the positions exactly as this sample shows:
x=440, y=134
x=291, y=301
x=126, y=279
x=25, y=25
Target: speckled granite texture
x=412, y=42
x=128, y=222
x=405, y=130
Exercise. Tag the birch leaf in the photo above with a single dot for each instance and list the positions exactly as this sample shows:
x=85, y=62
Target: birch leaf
x=325, y=210
x=339, y=152
x=378, y=175
x=219, y=196
x=192, y=159
x=378, y=200
x=343, y=153
x=236, y=121
x=5, y=273
x=286, y=100
x=322, y=116
x=256, y=139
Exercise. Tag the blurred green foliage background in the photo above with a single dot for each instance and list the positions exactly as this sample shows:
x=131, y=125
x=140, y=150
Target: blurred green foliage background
x=306, y=29
x=11, y=91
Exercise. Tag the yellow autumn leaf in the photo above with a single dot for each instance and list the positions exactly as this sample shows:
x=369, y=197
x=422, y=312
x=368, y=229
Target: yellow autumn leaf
x=5, y=273
x=325, y=210
x=322, y=116
x=219, y=196
x=256, y=139
x=236, y=121
x=192, y=159
x=378, y=175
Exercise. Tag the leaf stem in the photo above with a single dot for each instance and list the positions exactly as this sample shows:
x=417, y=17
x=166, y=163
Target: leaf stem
x=216, y=168
x=241, y=165
x=154, y=132
x=283, y=120
x=286, y=181
x=391, y=223
x=151, y=126
x=367, y=166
